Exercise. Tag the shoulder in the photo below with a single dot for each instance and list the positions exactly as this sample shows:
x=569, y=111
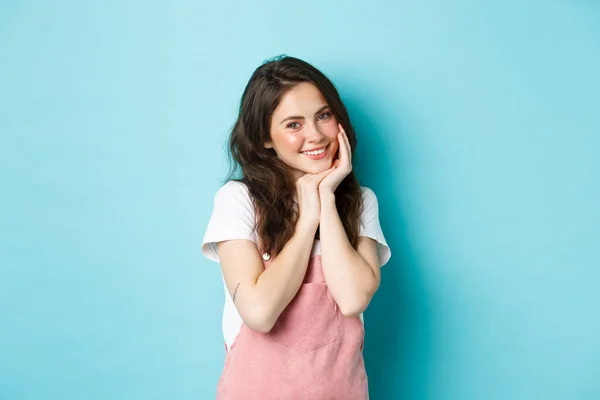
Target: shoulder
x=367, y=191
x=370, y=225
x=232, y=188
x=233, y=199
x=368, y=196
x=233, y=192
x=370, y=207
x=232, y=217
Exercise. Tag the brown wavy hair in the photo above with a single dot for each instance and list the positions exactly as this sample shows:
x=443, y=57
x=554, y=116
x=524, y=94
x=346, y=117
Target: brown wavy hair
x=269, y=180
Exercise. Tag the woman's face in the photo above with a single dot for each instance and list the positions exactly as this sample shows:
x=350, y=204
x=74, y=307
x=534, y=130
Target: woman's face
x=303, y=122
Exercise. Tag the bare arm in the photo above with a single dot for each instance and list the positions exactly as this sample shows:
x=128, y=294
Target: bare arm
x=260, y=295
x=352, y=275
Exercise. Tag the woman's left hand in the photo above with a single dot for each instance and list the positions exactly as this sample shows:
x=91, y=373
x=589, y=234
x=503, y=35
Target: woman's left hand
x=342, y=164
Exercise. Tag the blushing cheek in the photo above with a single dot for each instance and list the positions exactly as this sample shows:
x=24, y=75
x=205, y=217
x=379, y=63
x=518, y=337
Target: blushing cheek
x=334, y=137
x=331, y=128
x=294, y=141
x=335, y=150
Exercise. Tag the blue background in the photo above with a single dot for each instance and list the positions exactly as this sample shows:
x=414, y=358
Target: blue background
x=478, y=128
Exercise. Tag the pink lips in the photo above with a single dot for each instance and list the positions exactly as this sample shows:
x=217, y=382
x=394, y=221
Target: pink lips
x=318, y=156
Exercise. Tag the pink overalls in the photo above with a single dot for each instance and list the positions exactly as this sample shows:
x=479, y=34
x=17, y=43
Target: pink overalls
x=312, y=353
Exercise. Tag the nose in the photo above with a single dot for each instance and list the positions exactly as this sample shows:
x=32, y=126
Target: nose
x=313, y=134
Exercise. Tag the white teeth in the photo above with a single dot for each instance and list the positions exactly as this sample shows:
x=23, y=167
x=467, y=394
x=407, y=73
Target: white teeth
x=314, y=153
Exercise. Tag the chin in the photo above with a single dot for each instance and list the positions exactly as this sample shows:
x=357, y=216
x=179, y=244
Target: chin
x=317, y=169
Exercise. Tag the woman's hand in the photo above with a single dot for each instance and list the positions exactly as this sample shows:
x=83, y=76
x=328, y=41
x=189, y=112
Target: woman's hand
x=309, y=202
x=342, y=165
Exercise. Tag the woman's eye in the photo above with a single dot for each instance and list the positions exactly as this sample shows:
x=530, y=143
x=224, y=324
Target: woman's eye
x=293, y=125
x=326, y=115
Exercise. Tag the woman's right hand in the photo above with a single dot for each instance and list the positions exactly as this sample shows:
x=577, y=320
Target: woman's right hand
x=309, y=202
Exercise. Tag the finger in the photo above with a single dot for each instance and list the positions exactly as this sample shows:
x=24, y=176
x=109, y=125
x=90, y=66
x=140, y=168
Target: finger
x=320, y=176
x=348, y=144
x=341, y=136
x=340, y=140
x=349, y=148
x=324, y=175
x=327, y=171
x=344, y=138
x=314, y=179
x=344, y=150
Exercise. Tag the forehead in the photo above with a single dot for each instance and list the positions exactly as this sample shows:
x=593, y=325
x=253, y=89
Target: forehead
x=302, y=98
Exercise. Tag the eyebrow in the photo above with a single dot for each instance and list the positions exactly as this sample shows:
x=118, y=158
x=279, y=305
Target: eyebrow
x=325, y=107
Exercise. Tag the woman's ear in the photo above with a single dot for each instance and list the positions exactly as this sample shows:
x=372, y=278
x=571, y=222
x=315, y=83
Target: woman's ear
x=268, y=145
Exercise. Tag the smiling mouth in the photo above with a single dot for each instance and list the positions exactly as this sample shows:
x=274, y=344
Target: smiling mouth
x=317, y=154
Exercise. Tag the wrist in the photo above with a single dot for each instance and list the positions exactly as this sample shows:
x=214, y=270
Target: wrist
x=327, y=195
x=307, y=225
x=327, y=198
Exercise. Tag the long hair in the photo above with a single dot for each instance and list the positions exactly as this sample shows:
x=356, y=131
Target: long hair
x=269, y=180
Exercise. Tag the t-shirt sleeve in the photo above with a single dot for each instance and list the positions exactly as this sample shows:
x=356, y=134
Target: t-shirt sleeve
x=232, y=218
x=370, y=226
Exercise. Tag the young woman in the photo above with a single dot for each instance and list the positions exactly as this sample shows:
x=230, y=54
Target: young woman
x=298, y=240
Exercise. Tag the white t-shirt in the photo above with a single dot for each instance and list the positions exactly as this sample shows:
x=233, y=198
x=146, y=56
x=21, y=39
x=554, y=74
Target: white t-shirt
x=233, y=217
